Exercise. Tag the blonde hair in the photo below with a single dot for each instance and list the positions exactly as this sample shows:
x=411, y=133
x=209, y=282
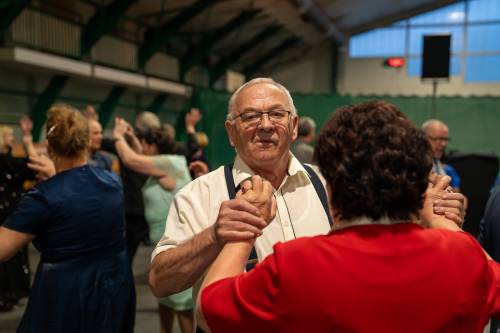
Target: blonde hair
x=67, y=131
x=4, y=129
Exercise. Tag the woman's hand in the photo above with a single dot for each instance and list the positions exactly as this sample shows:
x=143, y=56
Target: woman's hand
x=199, y=168
x=259, y=193
x=437, y=191
x=43, y=166
x=120, y=129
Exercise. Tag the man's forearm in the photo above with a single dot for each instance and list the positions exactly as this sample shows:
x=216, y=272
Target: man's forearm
x=179, y=268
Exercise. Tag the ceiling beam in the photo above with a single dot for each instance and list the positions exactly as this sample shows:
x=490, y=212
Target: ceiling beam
x=9, y=10
x=105, y=19
x=108, y=106
x=194, y=56
x=155, y=38
x=225, y=63
x=157, y=103
x=268, y=56
x=400, y=16
x=319, y=19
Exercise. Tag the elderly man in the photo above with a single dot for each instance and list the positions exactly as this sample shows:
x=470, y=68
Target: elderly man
x=438, y=134
x=97, y=158
x=261, y=124
x=301, y=148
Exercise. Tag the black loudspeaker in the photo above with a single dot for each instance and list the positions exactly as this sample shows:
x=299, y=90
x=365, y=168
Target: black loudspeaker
x=478, y=173
x=436, y=57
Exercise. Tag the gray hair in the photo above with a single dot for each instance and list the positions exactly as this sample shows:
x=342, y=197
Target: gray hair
x=147, y=120
x=306, y=126
x=432, y=123
x=234, y=96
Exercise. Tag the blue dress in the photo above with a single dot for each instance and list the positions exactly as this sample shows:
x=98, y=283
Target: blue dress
x=84, y=281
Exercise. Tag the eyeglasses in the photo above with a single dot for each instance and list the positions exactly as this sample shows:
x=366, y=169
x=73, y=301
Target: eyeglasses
x=439, y=138
x=252, y=118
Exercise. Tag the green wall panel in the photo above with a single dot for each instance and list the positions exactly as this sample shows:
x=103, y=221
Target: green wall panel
x=474, y=122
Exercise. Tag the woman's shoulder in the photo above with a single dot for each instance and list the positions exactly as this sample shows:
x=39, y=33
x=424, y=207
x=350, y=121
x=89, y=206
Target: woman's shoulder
x=105, y=176
x=80, y=176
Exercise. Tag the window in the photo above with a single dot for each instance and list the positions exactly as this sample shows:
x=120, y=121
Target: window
x=384, y=42
x=449, y=14
x=482, y=69
x=483, y=38
x=474, y=26
x=484, y=10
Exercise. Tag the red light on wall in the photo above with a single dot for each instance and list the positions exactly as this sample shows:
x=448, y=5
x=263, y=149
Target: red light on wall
x=394, y=62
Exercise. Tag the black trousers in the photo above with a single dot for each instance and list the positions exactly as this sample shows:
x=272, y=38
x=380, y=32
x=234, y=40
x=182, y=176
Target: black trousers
x=137, y=231
x=14, y=279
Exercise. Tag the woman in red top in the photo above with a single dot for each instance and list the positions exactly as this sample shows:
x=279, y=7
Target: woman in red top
x=379, y=269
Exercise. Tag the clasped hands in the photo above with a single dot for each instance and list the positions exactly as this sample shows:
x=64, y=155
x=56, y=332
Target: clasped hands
x=244, y=218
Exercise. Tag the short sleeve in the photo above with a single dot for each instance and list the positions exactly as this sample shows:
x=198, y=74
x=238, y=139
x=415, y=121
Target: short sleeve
x=31, y=214
x=173, y=165
x=245, y=303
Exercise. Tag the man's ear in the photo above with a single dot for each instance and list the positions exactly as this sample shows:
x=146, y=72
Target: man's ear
x=230, y=131
x=295, y=127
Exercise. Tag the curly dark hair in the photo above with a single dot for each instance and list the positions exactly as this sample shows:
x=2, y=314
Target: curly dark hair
x=161, y=138
x=375, y=160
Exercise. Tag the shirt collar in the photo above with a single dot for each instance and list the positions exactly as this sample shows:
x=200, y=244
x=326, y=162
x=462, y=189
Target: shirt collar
x=241, y=171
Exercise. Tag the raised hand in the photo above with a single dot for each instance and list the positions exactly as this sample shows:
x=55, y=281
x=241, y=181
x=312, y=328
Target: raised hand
x=192, y=118
x=42, y=165
x=26, y=125
x=199, y=168
x=121, y=127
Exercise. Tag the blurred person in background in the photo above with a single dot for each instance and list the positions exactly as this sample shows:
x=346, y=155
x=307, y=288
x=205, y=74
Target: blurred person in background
x=136, y=225
x=14, y=172
x=90, y=113
x=167, y=173
x=96, y=157
x=75, y=219
x=438, y=134
x=302, y=147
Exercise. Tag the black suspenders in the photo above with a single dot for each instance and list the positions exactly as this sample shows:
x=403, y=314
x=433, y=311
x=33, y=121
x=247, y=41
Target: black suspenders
x=318, y=187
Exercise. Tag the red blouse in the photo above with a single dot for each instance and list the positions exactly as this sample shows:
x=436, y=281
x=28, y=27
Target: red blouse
x=371, y=278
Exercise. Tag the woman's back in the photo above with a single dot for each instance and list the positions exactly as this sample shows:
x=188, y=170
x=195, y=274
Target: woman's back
x=370, y=278
x=79, y=212
x=84, y=281
x=157, y=200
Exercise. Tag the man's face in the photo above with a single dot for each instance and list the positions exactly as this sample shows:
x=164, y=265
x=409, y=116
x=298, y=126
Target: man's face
x=438, y=137
x=95, y=131
x=264, y=143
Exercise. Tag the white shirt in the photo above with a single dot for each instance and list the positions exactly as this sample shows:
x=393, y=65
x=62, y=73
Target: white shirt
x=196, y=207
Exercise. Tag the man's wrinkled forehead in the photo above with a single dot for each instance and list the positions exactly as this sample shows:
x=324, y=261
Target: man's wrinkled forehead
x=255, y=93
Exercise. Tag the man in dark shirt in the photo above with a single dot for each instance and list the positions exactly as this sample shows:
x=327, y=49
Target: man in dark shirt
x=136, y=225
x=97, y=158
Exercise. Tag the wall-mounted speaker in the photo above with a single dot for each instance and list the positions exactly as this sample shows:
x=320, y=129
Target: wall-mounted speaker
x=436, y=57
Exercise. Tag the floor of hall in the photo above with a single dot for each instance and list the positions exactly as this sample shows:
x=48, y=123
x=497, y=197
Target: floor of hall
x=146, y=318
